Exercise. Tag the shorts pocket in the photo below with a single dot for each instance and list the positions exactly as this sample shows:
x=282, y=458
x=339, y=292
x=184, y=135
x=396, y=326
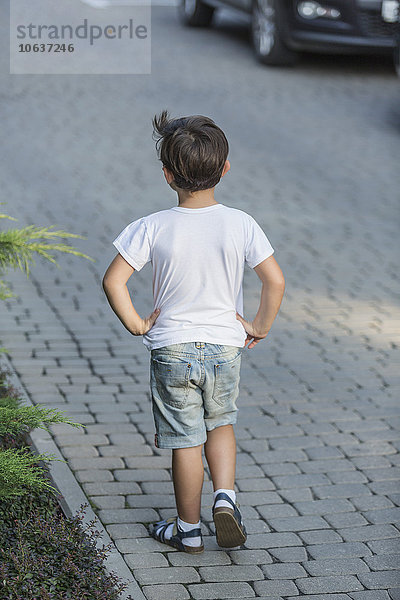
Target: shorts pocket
x=172, y=381
x=226, y=381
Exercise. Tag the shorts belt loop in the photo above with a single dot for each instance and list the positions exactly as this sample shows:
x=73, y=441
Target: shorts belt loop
x=200, y=344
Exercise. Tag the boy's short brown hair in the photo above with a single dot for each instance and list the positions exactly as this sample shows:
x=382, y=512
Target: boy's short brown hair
x=193, y=148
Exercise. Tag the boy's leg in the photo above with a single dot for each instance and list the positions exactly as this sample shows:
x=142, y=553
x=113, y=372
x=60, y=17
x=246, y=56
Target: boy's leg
x=188, y=476
x=220, y=452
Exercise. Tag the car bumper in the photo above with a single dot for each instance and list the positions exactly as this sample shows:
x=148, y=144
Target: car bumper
x=360, y=27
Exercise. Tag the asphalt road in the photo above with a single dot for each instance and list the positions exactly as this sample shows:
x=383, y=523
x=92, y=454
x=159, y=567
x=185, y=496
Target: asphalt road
x=314, y=158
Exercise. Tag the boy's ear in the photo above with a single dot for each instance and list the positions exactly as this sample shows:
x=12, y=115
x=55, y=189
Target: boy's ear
x=226, y=168
x=168, y=175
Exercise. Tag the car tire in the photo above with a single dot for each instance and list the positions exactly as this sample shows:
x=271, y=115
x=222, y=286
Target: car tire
x=266, y=35
x=195, y=13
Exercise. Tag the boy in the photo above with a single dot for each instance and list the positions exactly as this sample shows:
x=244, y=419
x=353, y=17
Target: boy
x=196, y=331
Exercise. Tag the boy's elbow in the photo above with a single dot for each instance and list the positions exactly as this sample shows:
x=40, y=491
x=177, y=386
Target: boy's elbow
x=107, y=283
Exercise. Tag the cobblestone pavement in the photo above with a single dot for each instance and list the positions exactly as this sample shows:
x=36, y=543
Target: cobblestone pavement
x=314, y=153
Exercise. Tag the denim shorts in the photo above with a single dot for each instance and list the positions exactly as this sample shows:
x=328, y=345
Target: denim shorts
x=194, y=387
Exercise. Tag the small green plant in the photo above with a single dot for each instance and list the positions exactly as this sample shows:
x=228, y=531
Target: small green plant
x=17, y=250
x=19, y=246
x=19, y=473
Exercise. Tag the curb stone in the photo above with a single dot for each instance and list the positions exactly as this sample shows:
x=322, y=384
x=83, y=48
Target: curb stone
x=72, y=494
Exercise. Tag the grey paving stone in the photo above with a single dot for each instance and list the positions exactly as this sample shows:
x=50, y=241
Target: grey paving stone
x=172, y=591
x=149, y=462
x=371, y=462
x=288, y=570
x=93, y=475
x=384, y=487
x=380, y=580
x=296, y=495
x=323, y=536
x=276, y=510
x=351, y=519
x=346, y=477
x=221, y=591
x=79, y=451
x=300, y=441
x=253, y=525
x=112, y=487
x=166, y=575
x=350, y=550
x=246, y=485
x=231, y=573
x=279, y=456
x=322, y=453
x=257, y=498
x=383, y=563
x=385, y=546
x=277, y=587
x=134, y=515
x=272, y=540
x=344, y=490
x=337, y=566
x=328, y=464
x=106, y=428
x=182, y=559
x=368, y=533
x=324, y=585
x=394, y=593
x=79, y=464
x=141, y=475
x=383, y=474
x=126, y=451
x=146, y=560
x=395, y=498
x=298, y=523
x=139, y=545
x=386, y=515
x=272, y=469
x=127, y=530
x=108, y=501
x=296, y=554
x=371, y=502
x=323, y=507
x=322, y=597
x=153, y=500
x=368, y=595
x=79, y=439
x=251, y=557
x=296, y=481
x=248, y=471
x=368, y=448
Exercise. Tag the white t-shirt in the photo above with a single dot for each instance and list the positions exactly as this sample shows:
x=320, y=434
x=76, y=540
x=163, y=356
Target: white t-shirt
x=198, y=257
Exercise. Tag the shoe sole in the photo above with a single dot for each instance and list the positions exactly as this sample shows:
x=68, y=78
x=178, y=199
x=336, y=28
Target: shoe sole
x=229, y=533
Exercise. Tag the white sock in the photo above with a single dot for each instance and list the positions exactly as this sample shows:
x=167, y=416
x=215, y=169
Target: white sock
x=230, y=493
x=194, y=541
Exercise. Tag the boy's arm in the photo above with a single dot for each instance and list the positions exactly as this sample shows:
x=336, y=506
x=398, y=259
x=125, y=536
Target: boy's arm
x=114, y=285
x=273, y=287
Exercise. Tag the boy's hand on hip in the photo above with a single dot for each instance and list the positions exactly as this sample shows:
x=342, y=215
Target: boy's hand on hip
x=253, y=336
x=147, y=324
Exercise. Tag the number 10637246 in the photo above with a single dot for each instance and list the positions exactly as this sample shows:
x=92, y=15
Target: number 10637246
x=46, y=48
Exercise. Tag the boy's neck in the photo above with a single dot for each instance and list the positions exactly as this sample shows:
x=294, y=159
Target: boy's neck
x=199, y=199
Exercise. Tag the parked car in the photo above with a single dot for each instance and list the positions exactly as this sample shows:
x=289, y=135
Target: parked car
x=282, y=28
x=397, y=46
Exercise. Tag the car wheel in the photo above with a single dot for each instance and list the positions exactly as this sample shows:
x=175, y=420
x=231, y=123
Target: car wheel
x=266, y=36
x=195, y=13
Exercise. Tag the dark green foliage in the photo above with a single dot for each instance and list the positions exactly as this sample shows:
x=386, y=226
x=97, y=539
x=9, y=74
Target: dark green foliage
x=44, y=555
